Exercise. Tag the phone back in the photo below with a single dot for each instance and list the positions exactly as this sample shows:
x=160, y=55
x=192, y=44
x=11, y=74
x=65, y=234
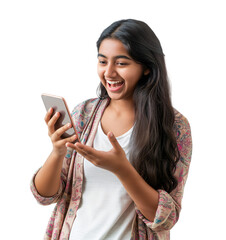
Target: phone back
x=59, y=105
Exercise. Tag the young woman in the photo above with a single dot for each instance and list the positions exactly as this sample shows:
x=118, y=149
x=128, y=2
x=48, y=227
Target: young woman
x=125, y=180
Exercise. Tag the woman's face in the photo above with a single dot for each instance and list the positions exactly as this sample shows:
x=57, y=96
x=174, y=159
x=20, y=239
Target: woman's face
x=118, y=72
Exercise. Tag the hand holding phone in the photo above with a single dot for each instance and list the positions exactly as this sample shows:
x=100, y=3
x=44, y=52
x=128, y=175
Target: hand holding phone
x=58, y=104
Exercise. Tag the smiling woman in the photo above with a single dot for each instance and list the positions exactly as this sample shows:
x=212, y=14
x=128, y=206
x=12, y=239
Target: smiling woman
x=127, y=173
x=118, y=72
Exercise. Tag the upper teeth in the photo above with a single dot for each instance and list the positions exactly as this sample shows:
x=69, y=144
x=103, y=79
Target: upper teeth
x=113, y=82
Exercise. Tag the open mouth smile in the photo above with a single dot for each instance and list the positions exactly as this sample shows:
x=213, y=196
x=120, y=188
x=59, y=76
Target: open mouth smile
x=114, y=85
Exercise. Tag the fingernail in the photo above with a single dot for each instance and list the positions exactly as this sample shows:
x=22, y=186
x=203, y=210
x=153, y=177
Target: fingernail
x=68, y=124
x=111, y=134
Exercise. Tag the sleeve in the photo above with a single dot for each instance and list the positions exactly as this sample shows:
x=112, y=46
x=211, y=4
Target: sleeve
x=169, y=205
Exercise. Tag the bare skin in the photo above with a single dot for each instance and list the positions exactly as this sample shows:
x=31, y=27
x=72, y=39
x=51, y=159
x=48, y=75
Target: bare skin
x=117, y=120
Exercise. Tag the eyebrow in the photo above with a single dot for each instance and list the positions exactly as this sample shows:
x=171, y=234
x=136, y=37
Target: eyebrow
x=116, y=57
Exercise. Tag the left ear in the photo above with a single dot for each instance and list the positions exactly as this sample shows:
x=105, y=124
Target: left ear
x=146, y=71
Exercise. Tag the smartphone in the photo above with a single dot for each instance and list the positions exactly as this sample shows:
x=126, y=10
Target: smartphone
x=59, y=105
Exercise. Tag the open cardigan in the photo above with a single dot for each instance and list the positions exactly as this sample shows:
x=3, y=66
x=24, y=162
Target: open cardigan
x=86, y=117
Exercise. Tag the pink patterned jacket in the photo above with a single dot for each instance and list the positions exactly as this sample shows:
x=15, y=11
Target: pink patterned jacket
x=86, y=117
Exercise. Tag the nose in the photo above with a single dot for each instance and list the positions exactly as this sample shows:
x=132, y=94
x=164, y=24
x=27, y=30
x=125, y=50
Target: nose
x=110, y=71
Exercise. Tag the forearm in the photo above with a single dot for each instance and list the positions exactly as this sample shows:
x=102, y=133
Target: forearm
x=143, y=195
x=48, y=179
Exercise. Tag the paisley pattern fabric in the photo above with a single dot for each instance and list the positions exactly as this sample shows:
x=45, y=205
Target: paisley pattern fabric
x=86, y=117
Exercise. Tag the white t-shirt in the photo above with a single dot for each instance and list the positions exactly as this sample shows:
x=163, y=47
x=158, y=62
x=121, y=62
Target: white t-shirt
x=106, y=210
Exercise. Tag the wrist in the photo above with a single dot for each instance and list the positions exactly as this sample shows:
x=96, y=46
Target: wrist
x=124, y=169
x=55, y=156
x=59, y=152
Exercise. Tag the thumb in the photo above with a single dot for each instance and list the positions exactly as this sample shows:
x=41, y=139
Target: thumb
x=113, y=141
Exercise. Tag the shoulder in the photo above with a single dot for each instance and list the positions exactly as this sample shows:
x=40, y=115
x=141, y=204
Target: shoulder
x=181, y=125
x=180, y=120
x=183, y=136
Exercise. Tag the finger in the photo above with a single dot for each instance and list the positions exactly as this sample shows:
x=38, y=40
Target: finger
x=87, y=151
x=70, y=139
x=48, y=115
x=51, y=123
x=70, y=145
x=58, y=133
x=76, y=148
x=65, y=141
x=83, y=153
x=114, y=141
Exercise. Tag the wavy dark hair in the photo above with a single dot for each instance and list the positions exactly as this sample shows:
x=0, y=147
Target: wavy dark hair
x=154, y=152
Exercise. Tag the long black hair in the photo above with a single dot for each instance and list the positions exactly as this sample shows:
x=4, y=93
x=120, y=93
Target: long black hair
x=154, y=152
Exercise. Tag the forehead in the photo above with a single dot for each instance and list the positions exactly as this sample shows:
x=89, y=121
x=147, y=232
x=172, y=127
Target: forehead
x=112, y=47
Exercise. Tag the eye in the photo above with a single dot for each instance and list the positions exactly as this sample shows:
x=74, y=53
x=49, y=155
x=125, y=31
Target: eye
x=121, y=63
x=102, y=62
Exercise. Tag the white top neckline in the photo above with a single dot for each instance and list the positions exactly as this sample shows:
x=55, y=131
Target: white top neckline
x=119, y=137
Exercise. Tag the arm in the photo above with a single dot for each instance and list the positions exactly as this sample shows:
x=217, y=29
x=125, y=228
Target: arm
x=169, y=204
x=143, y=195
x=48, y=178
x=50, y=181
x=47, y=182
x=44, y=200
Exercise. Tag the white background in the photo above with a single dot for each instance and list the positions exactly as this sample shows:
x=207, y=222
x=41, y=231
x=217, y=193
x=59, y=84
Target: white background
x=50, y=46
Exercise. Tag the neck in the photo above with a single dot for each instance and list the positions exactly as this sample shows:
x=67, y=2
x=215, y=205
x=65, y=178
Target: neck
x=122, y=106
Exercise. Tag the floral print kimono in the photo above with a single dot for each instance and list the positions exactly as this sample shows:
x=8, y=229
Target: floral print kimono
x=86, y=117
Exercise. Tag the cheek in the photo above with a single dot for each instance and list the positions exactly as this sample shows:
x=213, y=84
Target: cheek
x=133, y=76
x=100, y=72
